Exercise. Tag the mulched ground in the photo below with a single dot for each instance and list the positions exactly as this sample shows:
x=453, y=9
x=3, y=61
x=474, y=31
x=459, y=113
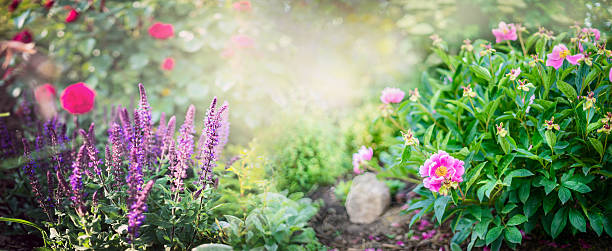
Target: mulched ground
x=391, y=231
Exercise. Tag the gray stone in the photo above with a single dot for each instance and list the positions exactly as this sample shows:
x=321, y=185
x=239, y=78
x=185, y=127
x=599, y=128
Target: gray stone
x=367, y=199
x=213, y=247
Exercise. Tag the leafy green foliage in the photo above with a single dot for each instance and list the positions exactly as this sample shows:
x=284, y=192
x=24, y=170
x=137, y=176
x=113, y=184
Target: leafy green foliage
x=535, y=147
x=277, y=222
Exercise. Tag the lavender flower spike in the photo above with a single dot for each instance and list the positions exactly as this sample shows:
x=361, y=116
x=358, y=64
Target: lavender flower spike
x=145, y=120
x=212, y=124
x=184, y=150
x=136, y=214
x=30, y=169
x=76, y=182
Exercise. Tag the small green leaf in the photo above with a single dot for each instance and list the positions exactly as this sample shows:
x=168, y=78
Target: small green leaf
x=517, y=220
x=440, y=206
x=597, y=145
x=493, y=234
x=516, y=173
x=596, y=222
x=481, y=228
x=577, y=220
x=568, y=90
x=513, y=235
x=564, y=194
x=551, y=138
x=481, y=72
x=558, y=223
x=577, y=186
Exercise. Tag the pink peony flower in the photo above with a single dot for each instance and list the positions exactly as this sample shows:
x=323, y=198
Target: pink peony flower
x=592, y=32
x=242, y=6
x=392, y=95
x=560, y=53
x=23, y=36
x=504, y=32
x=161, y=30
x=78, y=98
x=243, y=41
x=168, y=64
x=441, y=172
x=73, y=15
x=361, y=157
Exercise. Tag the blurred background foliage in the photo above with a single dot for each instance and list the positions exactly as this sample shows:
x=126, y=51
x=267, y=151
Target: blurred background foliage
x=323, y=53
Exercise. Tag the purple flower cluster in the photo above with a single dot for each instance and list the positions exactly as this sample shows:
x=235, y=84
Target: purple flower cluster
x=76, y=182
x=209, y=150
x=184, y=151
x=30, y=170
x=136, y=215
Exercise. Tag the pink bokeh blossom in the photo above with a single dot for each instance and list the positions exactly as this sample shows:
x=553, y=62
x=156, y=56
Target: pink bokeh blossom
x=504, y=32
x=392, y=95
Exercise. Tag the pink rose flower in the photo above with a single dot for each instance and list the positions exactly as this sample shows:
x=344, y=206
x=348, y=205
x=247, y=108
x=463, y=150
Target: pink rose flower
x=73, y=15
x=23, y=36
x=441, y=172
x=504, y=32
x=161, y=30
x=392, y=95
x=243, y=41
x=78, y=98
x=361, y=157
x=559, y=54
x=168, y=64
x=242, y=5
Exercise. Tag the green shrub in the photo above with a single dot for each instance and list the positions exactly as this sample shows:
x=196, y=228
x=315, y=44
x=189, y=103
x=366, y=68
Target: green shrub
x=534, y=143
x=309, y=152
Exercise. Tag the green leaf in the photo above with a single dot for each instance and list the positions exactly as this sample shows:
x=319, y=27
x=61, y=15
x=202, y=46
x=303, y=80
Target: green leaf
x=558, y=223
x=440, y=206
x=568, y=90
x=481, y=228
x=493, y=234
x=513, y=235
x=551, y=138
x=549, y=203
x=455, y=247
x=517, y=220
x=428, y=133
x=564, y=194
x=524, y=191
x=596, y=222
x=481, y=72
x=577, y=220
x=577, y=186
x=597, y=145
x=508, y=208
x=516, y=173
x=86, y=46
x=475, y=175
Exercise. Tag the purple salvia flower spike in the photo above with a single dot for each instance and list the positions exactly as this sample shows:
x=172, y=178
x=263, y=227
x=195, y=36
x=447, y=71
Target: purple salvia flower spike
x=136, y=215
x=184, y=150
x=76, y=181
x=30, y=170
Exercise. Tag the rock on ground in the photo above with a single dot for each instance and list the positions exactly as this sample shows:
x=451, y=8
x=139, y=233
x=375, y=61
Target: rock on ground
x=367, y=199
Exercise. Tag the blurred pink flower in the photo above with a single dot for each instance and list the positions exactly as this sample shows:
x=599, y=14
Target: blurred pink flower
x=243, y=41
x=429, y=234
x=423, y=223
x=441, y=172
x=161, y=30
x=592, y=32
x=400, y=243
x=242, y=5
x=560, y=53
x=486, y=249
x=73, y=15
x=392, y=95
x=23, y=36
x=168, y=64
x=361, y=157
x=504, y=32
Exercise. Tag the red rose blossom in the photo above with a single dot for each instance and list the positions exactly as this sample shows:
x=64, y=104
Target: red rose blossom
x=78, y=98
x=13, y=5
x=48, y=4
x=72, y=16
x=242, y=6
x=161, y=30
x=168, y=64
x=23, y=36
x=45, y=92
